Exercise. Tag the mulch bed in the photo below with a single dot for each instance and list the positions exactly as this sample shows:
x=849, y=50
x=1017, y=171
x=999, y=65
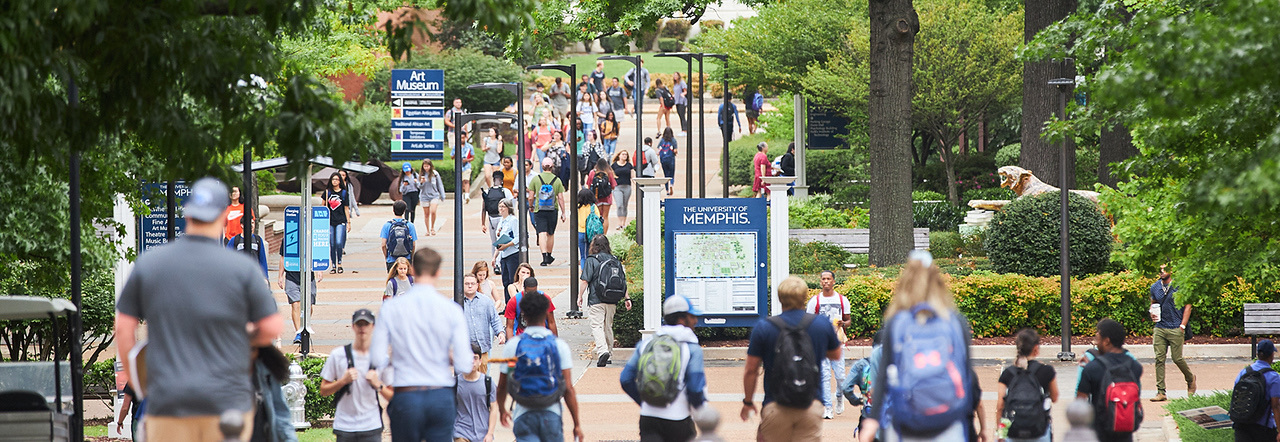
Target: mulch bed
x=1008, y=340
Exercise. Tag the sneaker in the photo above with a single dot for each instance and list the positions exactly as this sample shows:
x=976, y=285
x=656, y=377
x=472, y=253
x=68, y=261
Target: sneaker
x=603, y=361
x=839, y=407
x=550, y=259
x=826, y=413
x=297, y=338
x=1160, y=397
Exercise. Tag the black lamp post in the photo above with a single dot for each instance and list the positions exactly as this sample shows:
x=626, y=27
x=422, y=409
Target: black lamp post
x=572, y=71
x=1064, y=86
x=459, y=121
x=639, y=105
x=724, y=131
x=517, y=88
x=688, y=116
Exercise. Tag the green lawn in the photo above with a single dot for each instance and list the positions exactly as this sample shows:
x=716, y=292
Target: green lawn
x=587, y=63
x=1189, y=431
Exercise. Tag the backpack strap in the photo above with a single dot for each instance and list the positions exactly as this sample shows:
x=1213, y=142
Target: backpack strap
x=395, y=286
x=351, y=360
x=488, y=390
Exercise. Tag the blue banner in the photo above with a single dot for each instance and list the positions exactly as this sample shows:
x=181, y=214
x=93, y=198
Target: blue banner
x=153, y=229
x=319, y=238
x=716, y=252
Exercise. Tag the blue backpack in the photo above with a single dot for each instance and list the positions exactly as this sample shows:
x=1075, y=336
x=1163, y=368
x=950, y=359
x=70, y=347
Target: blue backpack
x=536, y=381
x=666, y=151
x=930, y=391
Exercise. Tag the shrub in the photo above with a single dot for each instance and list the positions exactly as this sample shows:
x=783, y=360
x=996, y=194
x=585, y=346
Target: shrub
x=1087, y=167
x=1009, y=155
x=945, y=244
x=977, y=169
x=937, y=216
x=816, y=256
x=266, y=182
x=829, y=171
x=462, y=68
x=670, y=45
x=810, y=214
x=610, y=43
x=1023, y=238
x=927, y=195
x=711, y=24
x=318, y=407
x=677, y=28
x=643, y=38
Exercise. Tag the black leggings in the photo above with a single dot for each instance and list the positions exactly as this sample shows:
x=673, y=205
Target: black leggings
x=410, y=199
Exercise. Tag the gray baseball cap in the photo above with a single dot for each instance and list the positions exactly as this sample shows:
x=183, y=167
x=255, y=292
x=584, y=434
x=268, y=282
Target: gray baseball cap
x=208, y=200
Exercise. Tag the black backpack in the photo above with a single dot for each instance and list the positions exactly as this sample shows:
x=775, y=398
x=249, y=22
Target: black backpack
x=1024, y=405
x=399, y=242
x=492, y=197
x=794, y=377
x=1249, y=400
x=600, y=186
x=667, y=99
x=611, y=279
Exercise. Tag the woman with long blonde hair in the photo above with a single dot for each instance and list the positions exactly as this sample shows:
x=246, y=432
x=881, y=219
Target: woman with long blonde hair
x=398, y=279
x=925, y=347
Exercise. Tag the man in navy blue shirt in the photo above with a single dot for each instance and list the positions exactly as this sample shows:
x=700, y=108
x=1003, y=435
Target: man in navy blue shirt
x=777, y=422
x=1167, y=336
x=1263, y=429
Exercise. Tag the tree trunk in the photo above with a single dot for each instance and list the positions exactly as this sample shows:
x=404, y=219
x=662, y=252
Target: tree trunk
x=894, y=25
x=1115, y=144
x=982, y=133
x=949, y=160
x=1040, y=101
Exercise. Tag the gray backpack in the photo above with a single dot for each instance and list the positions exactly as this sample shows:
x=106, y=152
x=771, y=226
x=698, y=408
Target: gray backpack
x=659, y=371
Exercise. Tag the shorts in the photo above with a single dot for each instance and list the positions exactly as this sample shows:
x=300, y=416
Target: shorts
x=753, y=114
x=544, y=221
x=294, y=291
x=496, y=163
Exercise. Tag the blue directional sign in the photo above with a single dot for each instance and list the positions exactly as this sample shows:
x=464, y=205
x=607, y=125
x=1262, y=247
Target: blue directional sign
x=417, y=114
x=153, y=229
x=319, y=238
x=716, y=256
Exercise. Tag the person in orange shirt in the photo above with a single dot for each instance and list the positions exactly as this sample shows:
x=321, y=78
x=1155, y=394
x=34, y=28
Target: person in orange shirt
x=235, y=213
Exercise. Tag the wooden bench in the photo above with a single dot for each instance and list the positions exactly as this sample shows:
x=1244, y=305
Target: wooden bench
x=1260, y=319
x=857, y=241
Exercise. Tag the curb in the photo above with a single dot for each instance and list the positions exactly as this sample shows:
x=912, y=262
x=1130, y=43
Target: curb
x=989, y=352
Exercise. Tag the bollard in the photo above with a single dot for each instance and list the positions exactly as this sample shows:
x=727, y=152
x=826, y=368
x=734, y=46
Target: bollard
x=707, y=419
x=295, y=394
x=1080, y=416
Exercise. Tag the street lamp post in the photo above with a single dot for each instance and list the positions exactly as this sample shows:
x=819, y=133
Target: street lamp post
x=688, y=116
x=1064, y=85
x=724, y=130
x=639, y=105
x=459, y=121
x=517, y=88
x=572, y=71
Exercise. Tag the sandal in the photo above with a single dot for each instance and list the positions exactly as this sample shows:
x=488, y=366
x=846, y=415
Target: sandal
x=339, y=269
x=332, y=271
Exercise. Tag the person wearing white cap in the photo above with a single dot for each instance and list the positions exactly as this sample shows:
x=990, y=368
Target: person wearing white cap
x=666, y=378
x=197, y=298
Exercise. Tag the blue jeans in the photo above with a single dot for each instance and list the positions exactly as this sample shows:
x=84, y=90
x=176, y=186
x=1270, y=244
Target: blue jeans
x=422, y=415
x=610, y=146
x=582, y=250
x=669, y=169
x=539, y=426
x=828, y=367
x=337, y=241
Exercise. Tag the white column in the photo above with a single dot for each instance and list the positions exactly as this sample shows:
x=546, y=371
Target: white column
x=779, y=235
x=802, y=181
x=651, y=198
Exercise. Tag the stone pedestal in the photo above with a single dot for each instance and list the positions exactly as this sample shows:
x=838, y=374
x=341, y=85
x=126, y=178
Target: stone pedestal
x=975, y=221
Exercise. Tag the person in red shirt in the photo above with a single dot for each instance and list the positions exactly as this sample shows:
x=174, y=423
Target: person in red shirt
x=760, y=167
x=515, y=328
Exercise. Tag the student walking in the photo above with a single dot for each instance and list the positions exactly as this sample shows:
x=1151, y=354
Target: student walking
x=491, y=212
x=861, y=374
x=235, y=215
x=271, y=420
x=410, y=185
x=483, y=324
x=547, y=202
x=516, y=322
x=468, y=154
x=680, y=89
x=1169, y=332
x=760, y=168
x=206, y=307
x=291, y=282
x=605, y=282
x=622, y=171
x=638, y=85
x=834, y=309
x=788, y=346
x=589, y=223
x=602, y=183
x=431, y=194
x=475, y=397
x=523, y=271
x=1112, y=382
x=349, y=377
x=1026, y=390
x=492, y=147
x=483, y=285
x=728, y=114
x=539, y=378
x=429, y=334
x=399, y=279
x=237, y=243
x=335, y=197
x=667, y=151
x=398, y=235
x=1255, y=398
x=508, y=244
x=609, y=133
x=938, y=374
x=666, y=101
x=649, y=160
x=674, y=383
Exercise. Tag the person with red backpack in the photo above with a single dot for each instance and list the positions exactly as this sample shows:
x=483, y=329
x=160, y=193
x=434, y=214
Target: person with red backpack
x=834, y=308
x=1112, y=382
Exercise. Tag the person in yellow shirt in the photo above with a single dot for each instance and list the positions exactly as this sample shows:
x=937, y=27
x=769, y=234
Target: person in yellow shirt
x=586, y=227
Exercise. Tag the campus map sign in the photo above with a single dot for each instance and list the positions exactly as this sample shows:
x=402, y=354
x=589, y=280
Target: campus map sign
x=319, y=238
x=417, y=114
x=715, y=254
x=153, y=228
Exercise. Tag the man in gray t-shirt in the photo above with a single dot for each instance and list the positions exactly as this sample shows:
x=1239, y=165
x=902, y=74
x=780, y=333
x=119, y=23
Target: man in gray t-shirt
x=205, y=306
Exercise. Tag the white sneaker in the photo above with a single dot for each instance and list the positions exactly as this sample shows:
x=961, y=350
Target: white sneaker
x=839, y=407
x=826, y=413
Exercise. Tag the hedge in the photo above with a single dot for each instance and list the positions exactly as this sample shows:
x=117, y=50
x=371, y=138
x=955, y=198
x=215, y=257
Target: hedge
x=1024, y=237
x=670, y=44
x=676, y=28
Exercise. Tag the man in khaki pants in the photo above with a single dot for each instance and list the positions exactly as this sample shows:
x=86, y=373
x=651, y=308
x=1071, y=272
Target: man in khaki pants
x=600, y=309
x=1167, y=336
